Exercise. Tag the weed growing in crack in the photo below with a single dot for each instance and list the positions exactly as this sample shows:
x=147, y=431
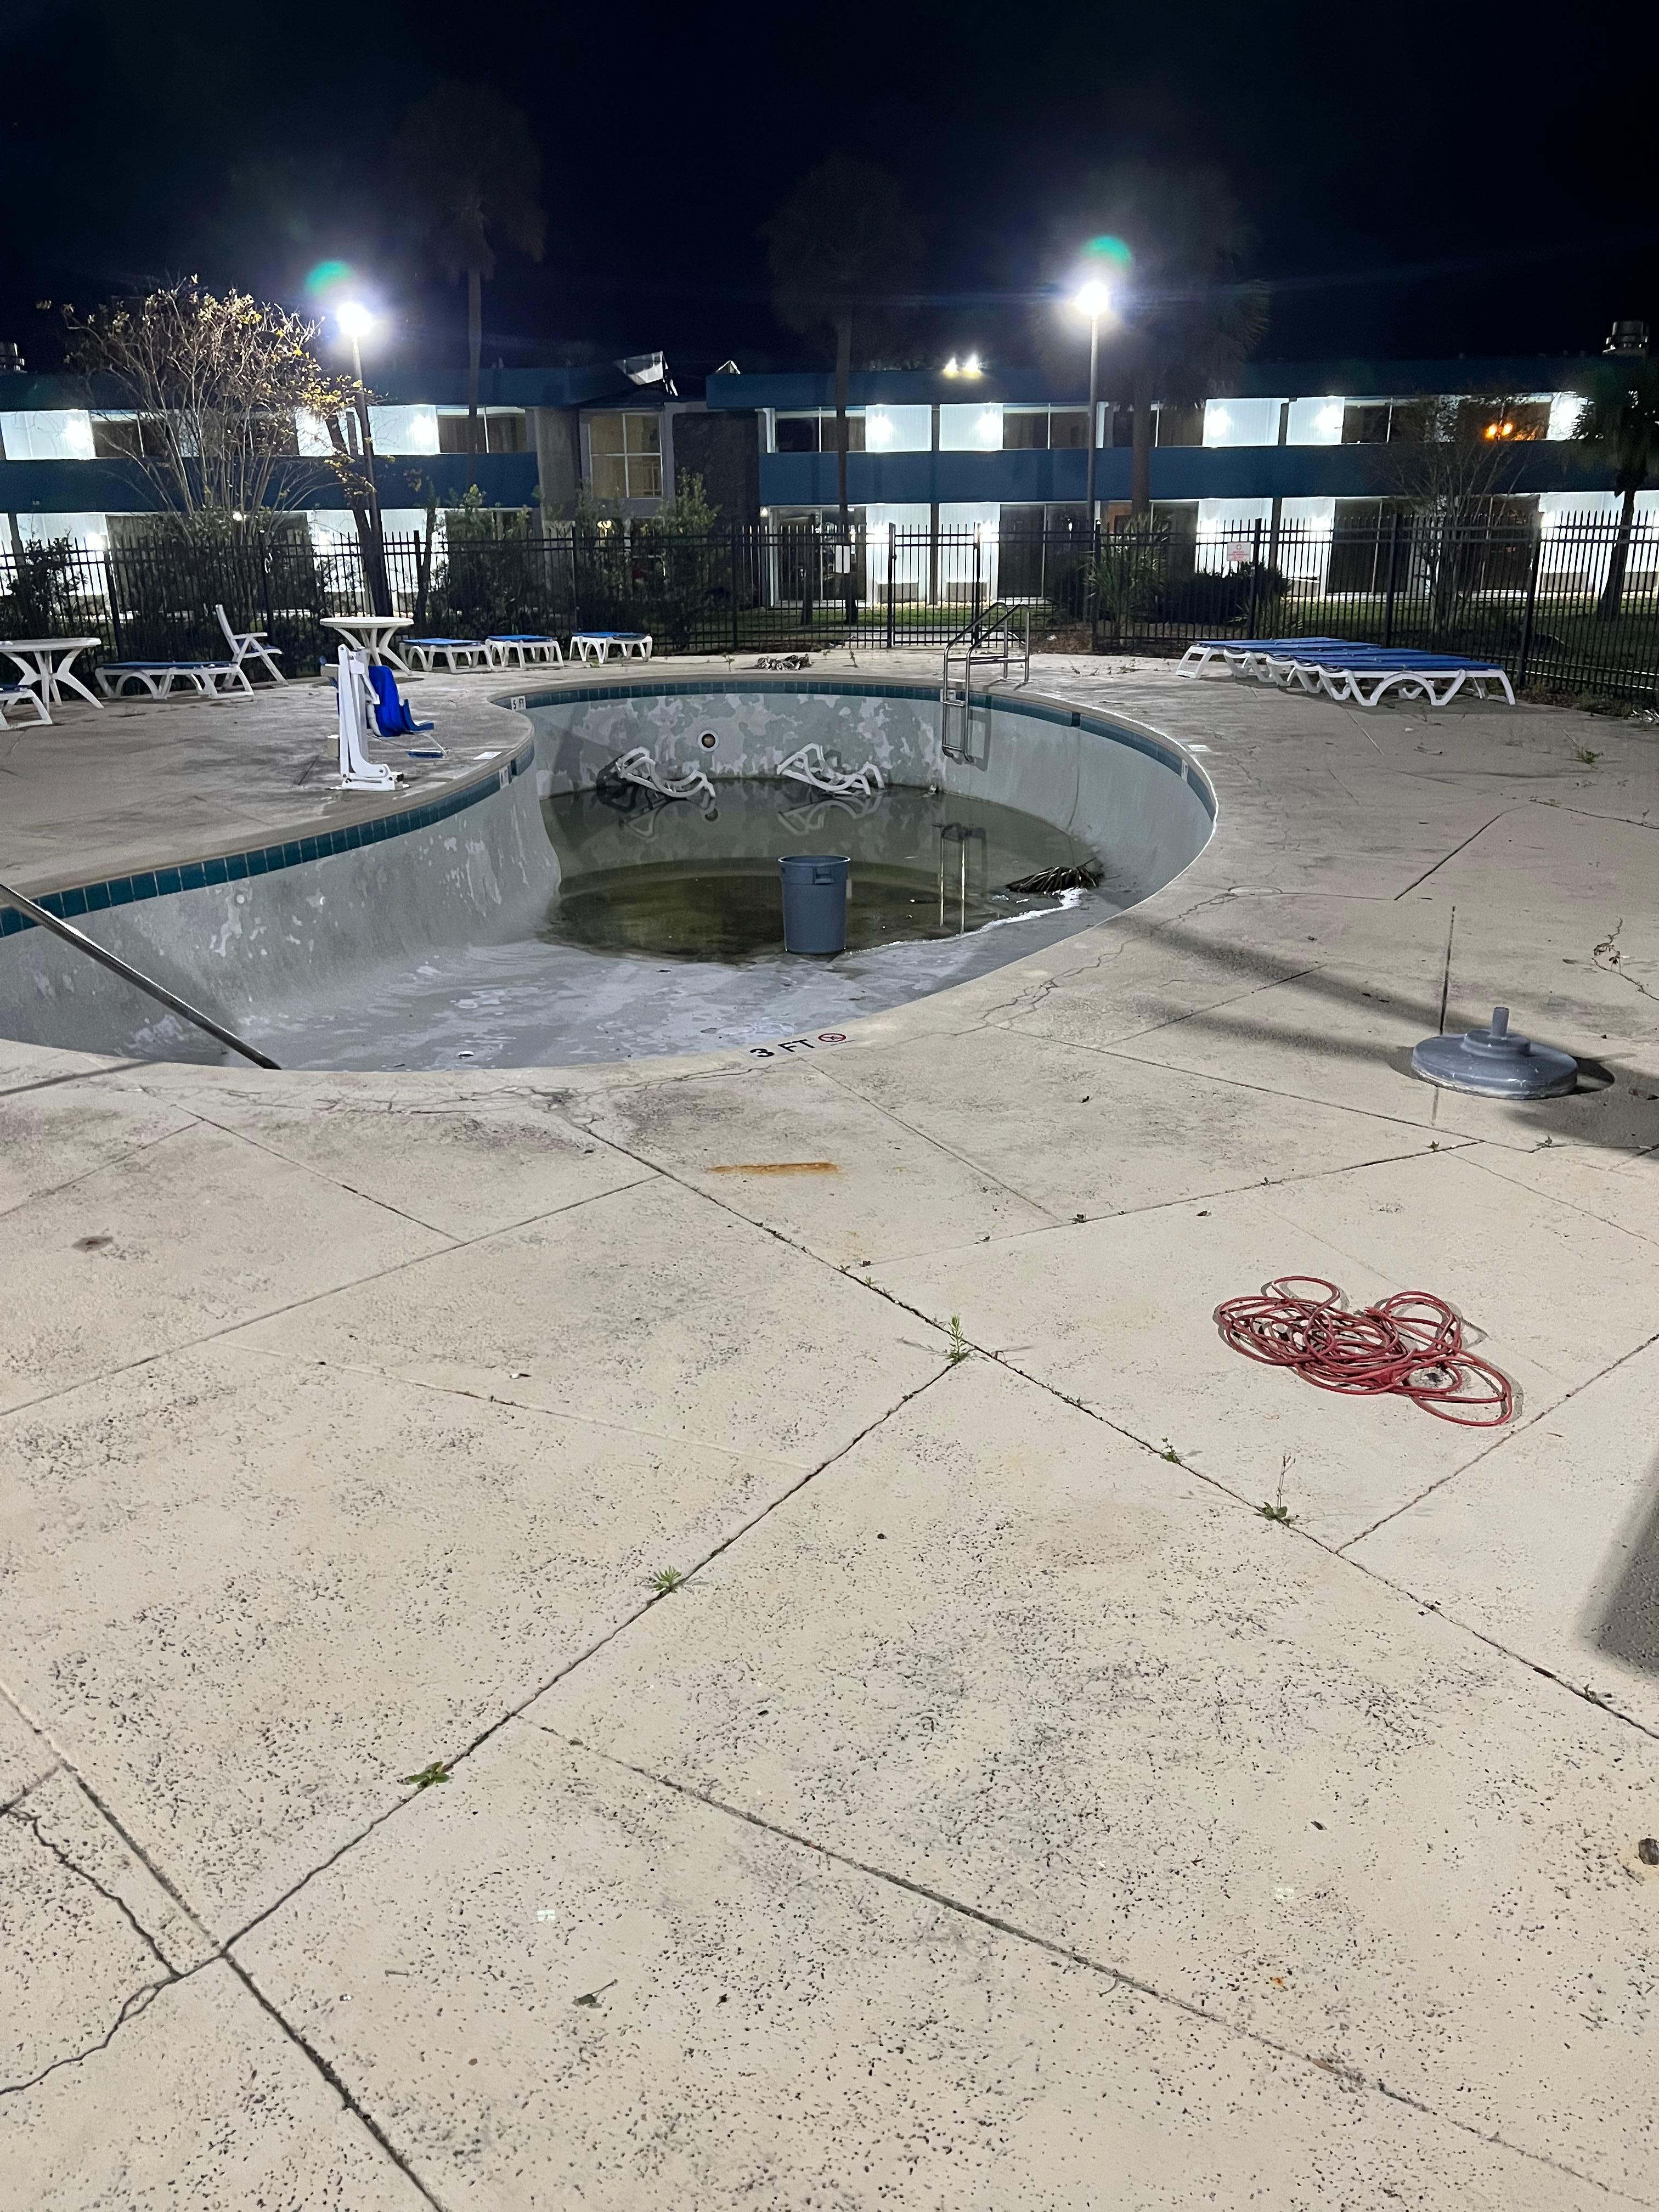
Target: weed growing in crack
x=958, y=1350
x=1170, y=1453
x=1583, y=754
x=666, y=1579
x=1278, y=1512
x=428, y=1775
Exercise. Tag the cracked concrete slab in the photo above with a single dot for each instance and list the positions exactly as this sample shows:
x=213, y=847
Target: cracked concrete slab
x=87, y=1935
x=566, y=1984
x=1116, y=1313
x=201, y=2099
x=186, y=1238
x=269, y=1591
x=26, y=1754
x=465, y=1166
x=651, y=1308
x=873, y=1187
x=1001, y=1653
x=52, y=1139
x=1092, y=1133
x=1550, y=1544
x=1524, y=1269
x=973, y=1637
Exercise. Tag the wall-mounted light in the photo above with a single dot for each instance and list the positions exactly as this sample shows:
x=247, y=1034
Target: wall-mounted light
x=877, y=428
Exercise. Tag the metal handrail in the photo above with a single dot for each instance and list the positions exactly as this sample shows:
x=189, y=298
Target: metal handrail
x=999, y=618
x=82, y=943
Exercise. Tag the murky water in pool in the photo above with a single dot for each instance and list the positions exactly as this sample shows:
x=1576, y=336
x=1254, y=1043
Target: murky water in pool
x=702, y=884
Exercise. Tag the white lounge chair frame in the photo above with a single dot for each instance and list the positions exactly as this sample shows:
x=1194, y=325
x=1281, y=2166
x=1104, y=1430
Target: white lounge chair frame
x=250, y=645
x=502, y=652
x=638, y=767
x=14, y=695
x=465, y=653
x=585, y=644
x=1365, y=686
x=809, y=766
x=157, y=678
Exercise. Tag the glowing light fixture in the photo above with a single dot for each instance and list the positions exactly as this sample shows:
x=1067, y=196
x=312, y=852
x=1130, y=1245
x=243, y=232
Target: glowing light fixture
x=989, y=428
x=953, y=367
x=1092, y=299
x=356, y=320
x=877, y=429
x=971, y=367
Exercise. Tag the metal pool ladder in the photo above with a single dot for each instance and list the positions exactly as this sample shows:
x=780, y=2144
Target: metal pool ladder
x=999, y=636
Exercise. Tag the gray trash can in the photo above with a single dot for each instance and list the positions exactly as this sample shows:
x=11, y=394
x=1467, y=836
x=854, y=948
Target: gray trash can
x=815, y=887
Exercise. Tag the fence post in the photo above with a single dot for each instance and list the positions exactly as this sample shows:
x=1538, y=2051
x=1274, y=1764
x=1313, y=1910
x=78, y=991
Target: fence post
x=976, y=582
x=1393, y=569
x=892, y=571
x=1526, y=620
x=1092, y=586
x=1255, y=579
x=734, y=587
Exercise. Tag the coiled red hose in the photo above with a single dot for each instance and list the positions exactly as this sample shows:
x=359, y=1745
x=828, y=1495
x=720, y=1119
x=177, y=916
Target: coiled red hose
x=1410, y=1345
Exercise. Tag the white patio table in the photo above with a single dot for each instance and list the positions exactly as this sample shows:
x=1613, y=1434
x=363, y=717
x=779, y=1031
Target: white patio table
x=45, y=662
x=372, y=634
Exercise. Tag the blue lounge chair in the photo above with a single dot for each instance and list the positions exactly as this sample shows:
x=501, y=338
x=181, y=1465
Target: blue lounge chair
x=455, y=653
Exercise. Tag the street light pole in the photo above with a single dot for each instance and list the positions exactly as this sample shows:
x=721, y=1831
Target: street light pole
x=1094, y=414
x=356, y=321
x=1092, y=299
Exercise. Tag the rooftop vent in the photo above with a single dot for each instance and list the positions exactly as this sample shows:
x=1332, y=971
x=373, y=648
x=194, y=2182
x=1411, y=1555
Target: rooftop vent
x=11, y=358
x=1627, y=337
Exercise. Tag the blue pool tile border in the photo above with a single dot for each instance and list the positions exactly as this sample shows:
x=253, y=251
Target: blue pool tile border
x=836, y=687
x=268, y=860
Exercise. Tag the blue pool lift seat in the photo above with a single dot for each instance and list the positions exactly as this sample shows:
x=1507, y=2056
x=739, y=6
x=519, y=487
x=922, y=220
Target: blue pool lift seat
x=392, y=717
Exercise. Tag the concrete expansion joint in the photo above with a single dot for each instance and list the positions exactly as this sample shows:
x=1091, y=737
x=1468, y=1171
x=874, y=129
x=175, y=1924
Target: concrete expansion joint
x=1351, y=2077
x=334, y=2079
x=618, y=1628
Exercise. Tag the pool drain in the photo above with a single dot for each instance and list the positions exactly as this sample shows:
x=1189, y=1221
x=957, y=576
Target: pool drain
x=1495, y=1062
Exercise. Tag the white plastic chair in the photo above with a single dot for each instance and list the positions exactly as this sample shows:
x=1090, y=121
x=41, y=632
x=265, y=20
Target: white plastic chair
x=250, y=645
x=15, y=695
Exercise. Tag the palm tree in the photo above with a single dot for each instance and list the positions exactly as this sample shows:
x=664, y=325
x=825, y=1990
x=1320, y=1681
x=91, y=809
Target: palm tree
x=1622, y=418
x=473, y=171
x=844, y=239
x=1185, y=320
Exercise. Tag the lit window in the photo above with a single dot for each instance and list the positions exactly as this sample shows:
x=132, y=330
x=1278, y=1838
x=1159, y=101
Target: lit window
x=976, y=427
x=626, y=451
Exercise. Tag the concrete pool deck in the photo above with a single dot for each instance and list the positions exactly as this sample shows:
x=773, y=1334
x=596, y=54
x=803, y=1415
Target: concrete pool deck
x=1002, y=1811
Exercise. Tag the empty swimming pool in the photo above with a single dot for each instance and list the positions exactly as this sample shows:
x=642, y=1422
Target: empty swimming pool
x=539, y=914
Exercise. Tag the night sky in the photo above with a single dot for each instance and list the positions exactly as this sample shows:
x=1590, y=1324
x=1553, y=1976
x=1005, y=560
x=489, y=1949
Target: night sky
x=1422, y=180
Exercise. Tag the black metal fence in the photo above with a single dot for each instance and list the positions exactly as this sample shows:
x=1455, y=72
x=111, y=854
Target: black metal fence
x=1569, y=605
